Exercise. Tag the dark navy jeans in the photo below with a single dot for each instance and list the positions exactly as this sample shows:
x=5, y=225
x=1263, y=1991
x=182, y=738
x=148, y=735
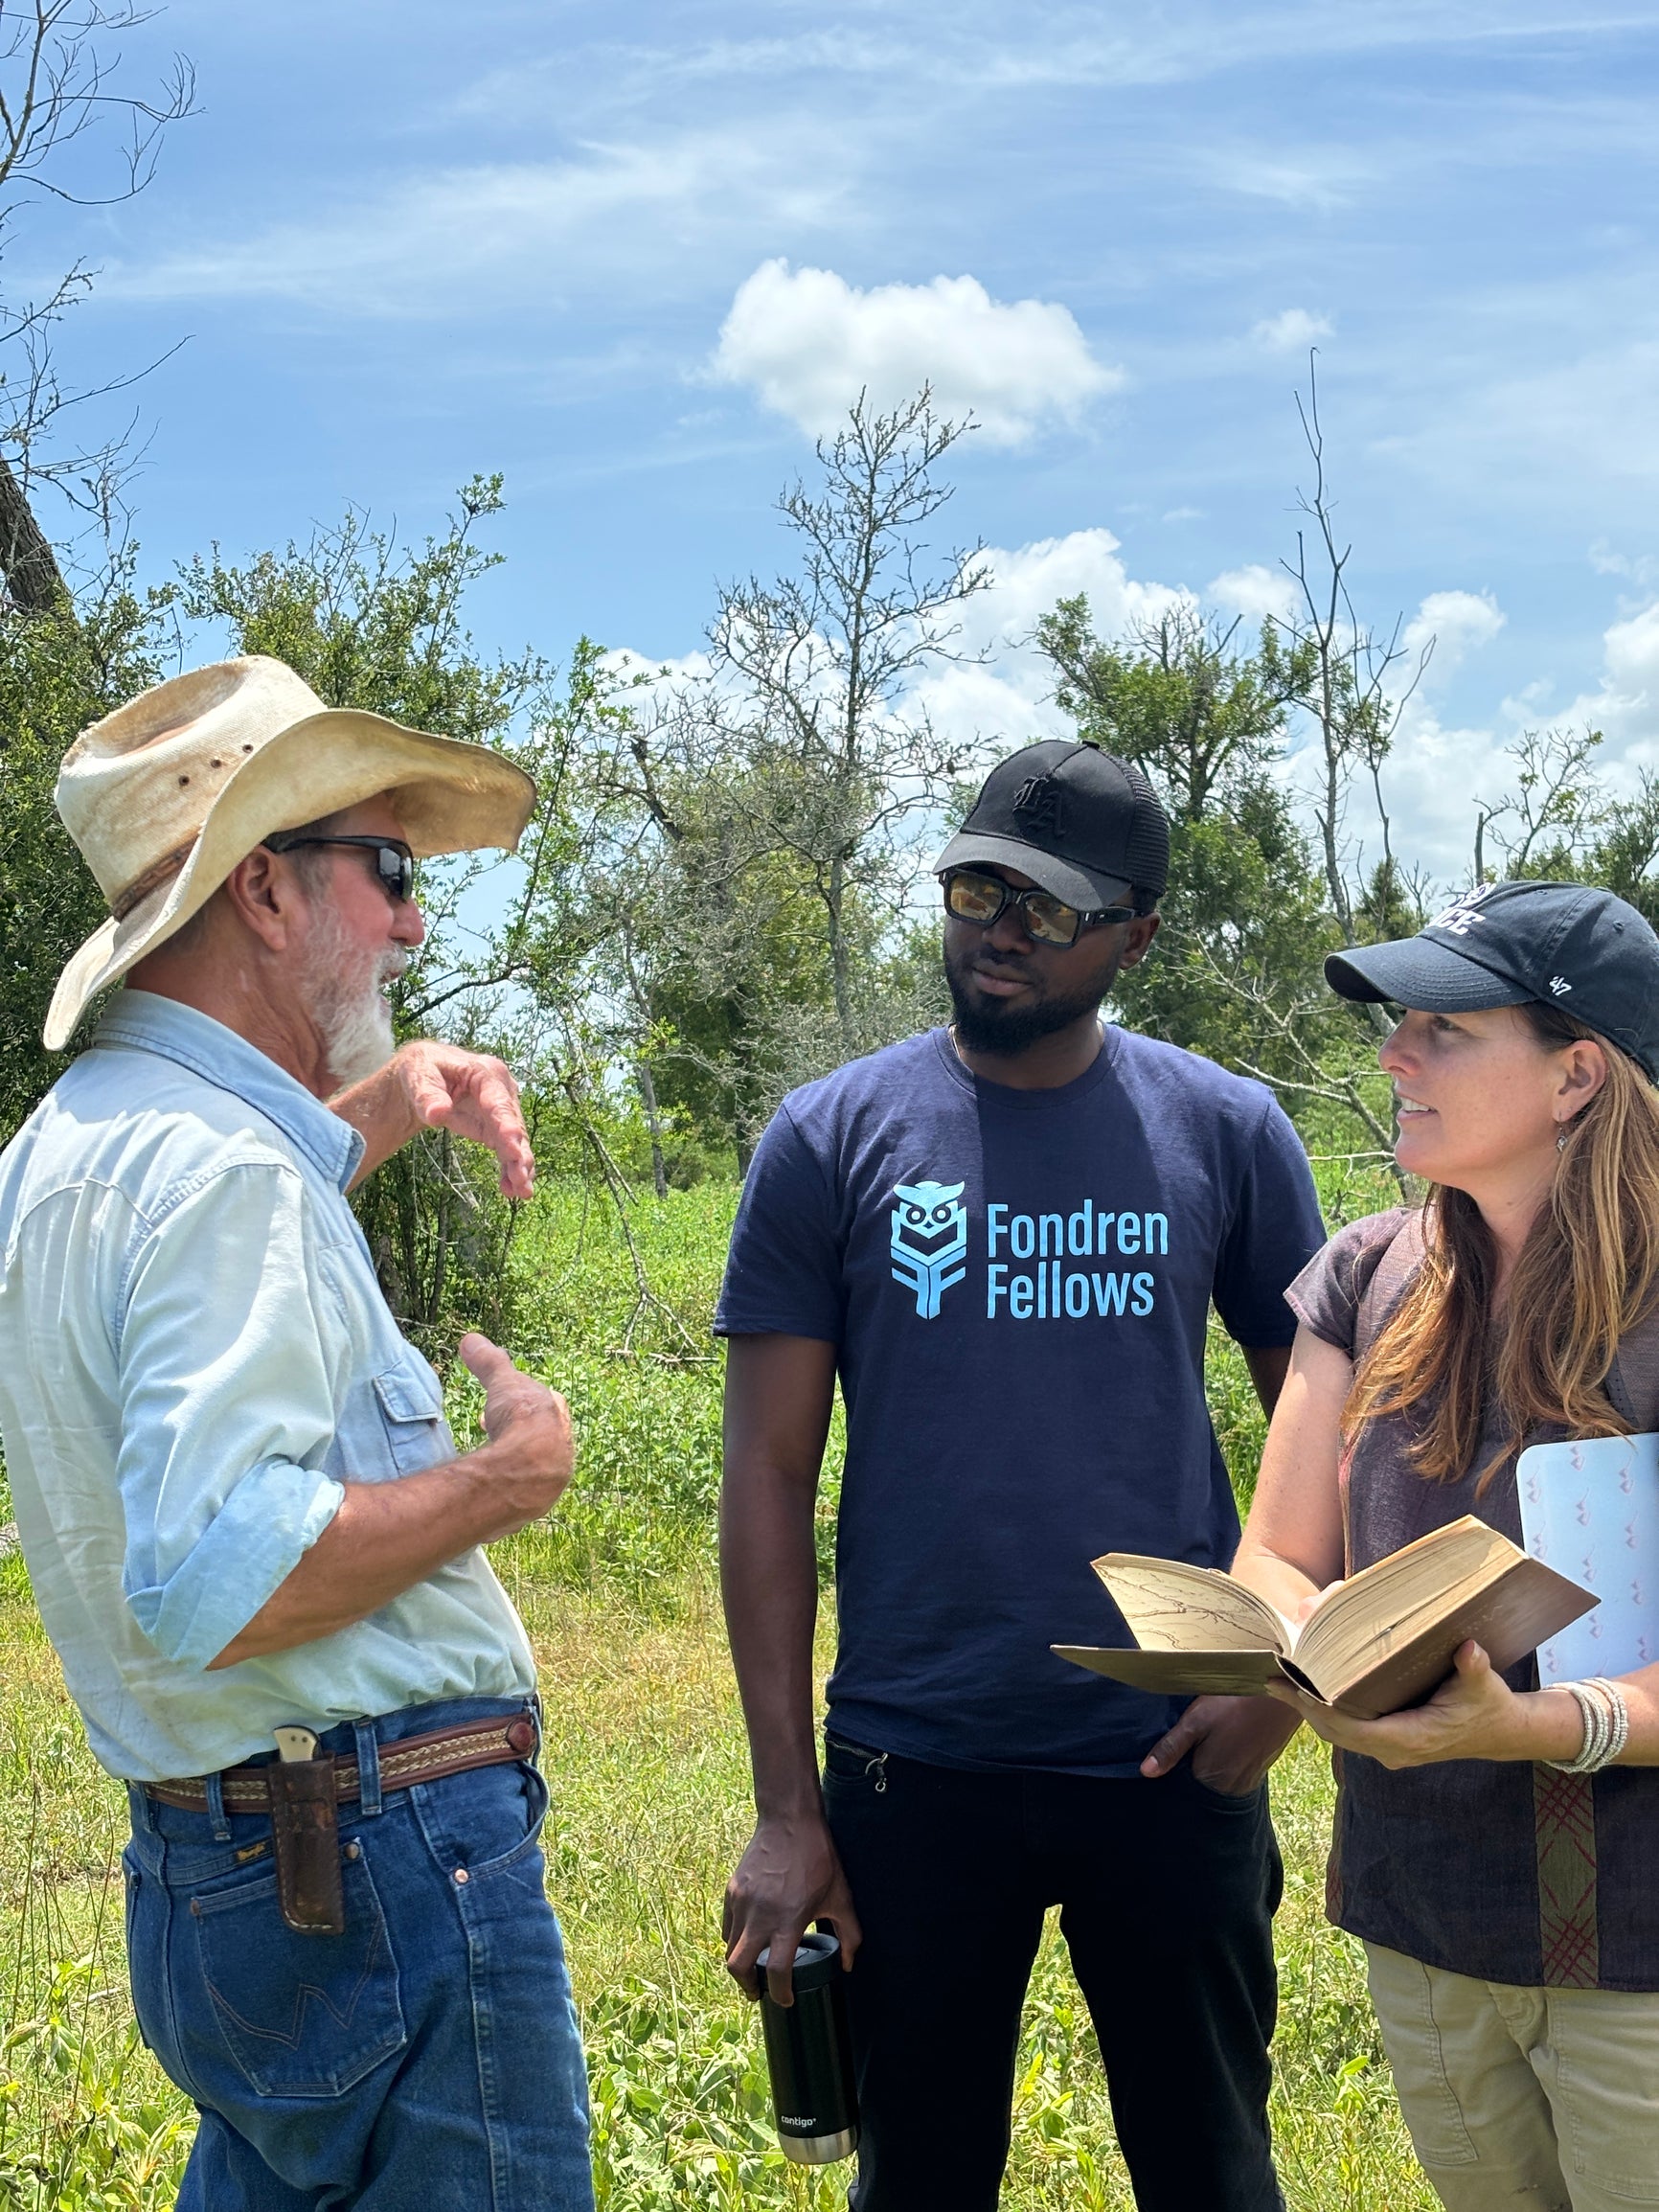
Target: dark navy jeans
x=429, y=2058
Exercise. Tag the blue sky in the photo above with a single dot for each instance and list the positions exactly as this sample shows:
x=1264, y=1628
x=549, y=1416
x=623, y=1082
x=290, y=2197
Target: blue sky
x=632, y=255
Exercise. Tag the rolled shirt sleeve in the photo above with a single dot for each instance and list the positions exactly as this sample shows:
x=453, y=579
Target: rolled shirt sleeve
x=227, y=1409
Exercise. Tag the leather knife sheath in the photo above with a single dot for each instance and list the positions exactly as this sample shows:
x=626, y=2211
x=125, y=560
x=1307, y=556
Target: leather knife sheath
x=306, y=1843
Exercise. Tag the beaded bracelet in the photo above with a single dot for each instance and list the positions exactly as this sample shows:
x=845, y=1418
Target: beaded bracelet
x=1620, y=1716
x=1607, y=1721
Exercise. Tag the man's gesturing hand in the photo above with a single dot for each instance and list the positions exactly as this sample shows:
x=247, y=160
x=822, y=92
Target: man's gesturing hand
x=389, y=1535
x=477, y=1097
x=527, y=1426
x=429, y=1084
x=788, y=1877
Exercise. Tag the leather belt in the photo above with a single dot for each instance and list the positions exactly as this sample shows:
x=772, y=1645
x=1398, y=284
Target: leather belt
x=409, y=1759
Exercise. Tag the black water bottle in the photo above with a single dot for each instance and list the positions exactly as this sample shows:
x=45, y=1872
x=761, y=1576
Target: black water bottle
x=809, y=2056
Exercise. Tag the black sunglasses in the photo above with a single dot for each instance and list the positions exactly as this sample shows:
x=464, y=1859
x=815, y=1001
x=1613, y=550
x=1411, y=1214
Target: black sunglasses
x=982, y=898
x=394, y=862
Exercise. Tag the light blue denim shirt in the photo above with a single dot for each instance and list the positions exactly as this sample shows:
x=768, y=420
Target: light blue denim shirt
x=194, y=1354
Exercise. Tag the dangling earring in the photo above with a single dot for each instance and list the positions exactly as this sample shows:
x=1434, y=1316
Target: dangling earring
x=1562, y=1135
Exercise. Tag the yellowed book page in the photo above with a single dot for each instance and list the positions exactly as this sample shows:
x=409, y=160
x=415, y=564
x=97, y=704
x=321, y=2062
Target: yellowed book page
x=1388, y=1604
x=1173, y=1606
x=1510, y=1615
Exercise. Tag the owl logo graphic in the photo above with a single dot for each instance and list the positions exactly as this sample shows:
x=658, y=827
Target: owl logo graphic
x=930, y=1241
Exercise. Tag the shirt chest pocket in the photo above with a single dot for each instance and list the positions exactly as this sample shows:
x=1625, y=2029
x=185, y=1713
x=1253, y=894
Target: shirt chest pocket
x=409, y=1401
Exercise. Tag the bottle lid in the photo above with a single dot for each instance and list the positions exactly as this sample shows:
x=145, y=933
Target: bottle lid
x=816, y=1961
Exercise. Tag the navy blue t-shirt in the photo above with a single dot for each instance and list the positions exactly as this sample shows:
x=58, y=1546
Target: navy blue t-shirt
x=1018, y=1283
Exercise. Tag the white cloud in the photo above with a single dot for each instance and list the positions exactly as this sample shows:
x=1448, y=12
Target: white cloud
x=1640, y=569
x=666, y=672
x=1632, y=654
x=1006, y=698
x=808, y=342
x=430, y=243
x=998, y=693
x=1436, y=773
x=997, y=689
x=1292, y=331
x=1027, y=581
x=1255, y=592
x=978, y=46
x=975, y=46
x=1320, y=179
x=1432, y=780
x=1436, y=776
x=1624, y=706
x=1457, y=623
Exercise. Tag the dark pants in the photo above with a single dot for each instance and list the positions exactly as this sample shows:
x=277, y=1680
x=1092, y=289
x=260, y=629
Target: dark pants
x=1167, y=1892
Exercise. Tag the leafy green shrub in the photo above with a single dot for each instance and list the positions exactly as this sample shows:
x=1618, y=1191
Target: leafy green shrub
x=98, y=2137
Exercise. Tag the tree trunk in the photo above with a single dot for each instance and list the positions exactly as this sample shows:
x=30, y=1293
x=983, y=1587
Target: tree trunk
x=441, y=1237
x=30, y=566
x=654, y=1123
x=834, y=905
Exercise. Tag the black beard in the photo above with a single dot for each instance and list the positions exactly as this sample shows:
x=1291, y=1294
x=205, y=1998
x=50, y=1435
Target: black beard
x=1006, y=1031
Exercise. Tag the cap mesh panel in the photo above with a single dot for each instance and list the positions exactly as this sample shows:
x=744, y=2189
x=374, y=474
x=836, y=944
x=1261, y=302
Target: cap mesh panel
x=1148, y=855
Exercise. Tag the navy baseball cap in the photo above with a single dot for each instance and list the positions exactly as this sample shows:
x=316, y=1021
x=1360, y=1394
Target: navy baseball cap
x=1567, y=943
x=1080, y=823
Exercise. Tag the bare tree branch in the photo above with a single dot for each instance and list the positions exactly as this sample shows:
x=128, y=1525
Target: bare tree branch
x=59, y=61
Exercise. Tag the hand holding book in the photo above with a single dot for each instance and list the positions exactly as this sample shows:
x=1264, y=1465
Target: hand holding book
x=1376, y=1643
x=1473, y=1715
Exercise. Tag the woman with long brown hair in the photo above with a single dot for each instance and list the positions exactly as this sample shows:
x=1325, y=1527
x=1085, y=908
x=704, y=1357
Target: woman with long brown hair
x=1496, y=1848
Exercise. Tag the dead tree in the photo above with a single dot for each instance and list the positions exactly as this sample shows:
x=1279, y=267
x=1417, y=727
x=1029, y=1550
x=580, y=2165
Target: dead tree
x=1359, y=682
x=59, y=64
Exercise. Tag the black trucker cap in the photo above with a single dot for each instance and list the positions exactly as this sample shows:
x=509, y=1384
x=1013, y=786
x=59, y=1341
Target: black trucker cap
x=1568, y=944
x=1080, y=823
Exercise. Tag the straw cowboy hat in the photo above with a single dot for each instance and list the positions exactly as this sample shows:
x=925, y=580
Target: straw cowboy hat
x=168, y=793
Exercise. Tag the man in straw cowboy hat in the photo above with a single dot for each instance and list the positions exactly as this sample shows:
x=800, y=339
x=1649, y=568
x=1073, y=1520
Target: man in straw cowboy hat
x=251, y=1537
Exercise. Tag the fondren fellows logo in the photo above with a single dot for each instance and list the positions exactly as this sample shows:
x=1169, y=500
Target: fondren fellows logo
x=930, y=1241
x=1049, y=1289
x=1030, y=1274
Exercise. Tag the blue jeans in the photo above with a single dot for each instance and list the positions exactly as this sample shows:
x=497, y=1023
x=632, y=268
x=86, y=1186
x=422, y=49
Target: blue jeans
x=427, y=2059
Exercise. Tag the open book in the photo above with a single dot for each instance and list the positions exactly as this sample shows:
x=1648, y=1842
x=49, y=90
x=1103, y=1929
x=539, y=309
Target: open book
x=1382, y=1641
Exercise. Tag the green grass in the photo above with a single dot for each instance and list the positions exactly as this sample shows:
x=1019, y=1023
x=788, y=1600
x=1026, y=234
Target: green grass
x=650, y=1774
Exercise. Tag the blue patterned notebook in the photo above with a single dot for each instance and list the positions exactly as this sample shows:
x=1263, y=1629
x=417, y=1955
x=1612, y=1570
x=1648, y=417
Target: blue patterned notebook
x=1591, y=1511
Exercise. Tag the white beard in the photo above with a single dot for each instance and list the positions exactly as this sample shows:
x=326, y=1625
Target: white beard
x=347, y=1002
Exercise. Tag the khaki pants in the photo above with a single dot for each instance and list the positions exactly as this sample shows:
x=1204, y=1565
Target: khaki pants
x=1523, y=2100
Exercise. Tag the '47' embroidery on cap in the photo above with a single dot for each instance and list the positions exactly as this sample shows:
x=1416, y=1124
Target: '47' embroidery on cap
x=1559, y=984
